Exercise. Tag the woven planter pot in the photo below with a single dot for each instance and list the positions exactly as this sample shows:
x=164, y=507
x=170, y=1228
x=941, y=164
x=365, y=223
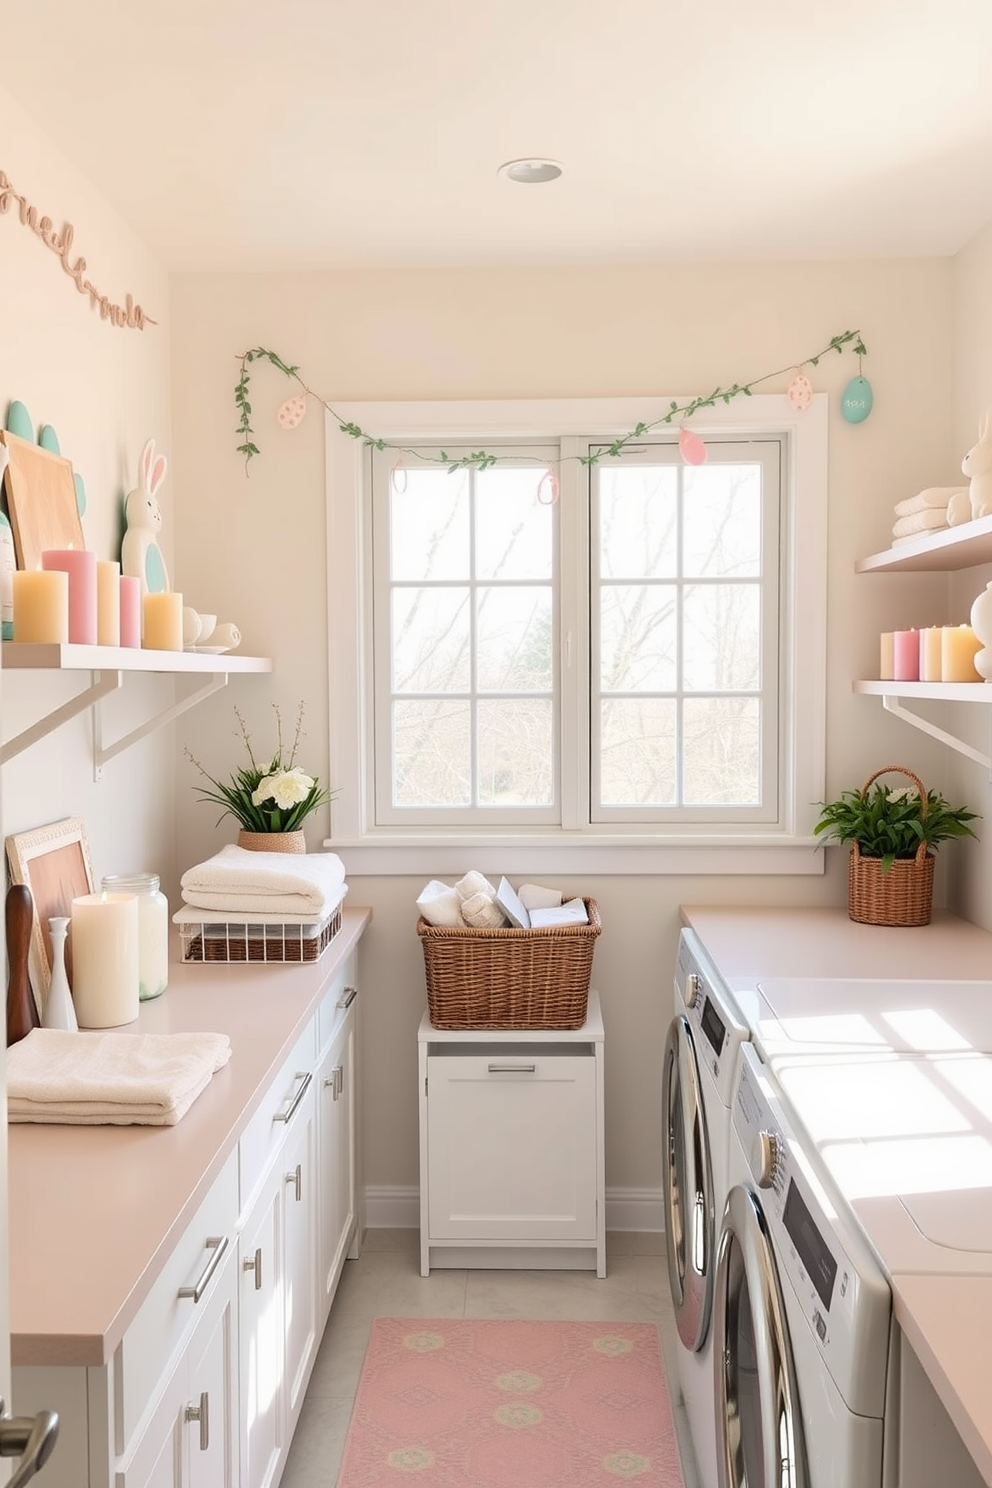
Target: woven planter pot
x=903, y=896
x=280, y=842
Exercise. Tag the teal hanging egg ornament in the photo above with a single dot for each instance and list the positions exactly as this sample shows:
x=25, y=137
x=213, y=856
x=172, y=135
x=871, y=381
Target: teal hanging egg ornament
x=856, y=400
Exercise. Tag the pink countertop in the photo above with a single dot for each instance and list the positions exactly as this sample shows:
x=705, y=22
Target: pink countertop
x=95, y=1210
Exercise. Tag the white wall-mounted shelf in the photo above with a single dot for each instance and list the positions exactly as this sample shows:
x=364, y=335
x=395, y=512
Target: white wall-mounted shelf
x=107, y=666
x=892, y=694
x=935, y=552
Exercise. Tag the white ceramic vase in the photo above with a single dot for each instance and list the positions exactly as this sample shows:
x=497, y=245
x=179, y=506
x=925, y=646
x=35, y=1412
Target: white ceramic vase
x=60, y=1011
x=981, y=624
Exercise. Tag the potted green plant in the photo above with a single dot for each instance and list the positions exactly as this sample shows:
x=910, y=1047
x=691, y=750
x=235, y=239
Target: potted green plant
x=892, y=832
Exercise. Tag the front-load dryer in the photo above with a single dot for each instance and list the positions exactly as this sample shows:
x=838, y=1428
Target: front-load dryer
x=700, y=1059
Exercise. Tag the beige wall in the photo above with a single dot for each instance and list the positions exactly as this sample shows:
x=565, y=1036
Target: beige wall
x=255, y=546
x=105, y=390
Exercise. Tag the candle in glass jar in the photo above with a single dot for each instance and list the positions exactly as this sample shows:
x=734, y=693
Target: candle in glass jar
x=108, y=604
x=162, y=622
x=906, y=645
x=105, y=959
x=130, y=602
x=41, y=606
x=80, y=565
x=931, y=665
x=153, y=928
x=959, y=646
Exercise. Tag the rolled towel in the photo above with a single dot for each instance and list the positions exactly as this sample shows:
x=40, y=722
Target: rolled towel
x=110, y=1079
x=441, y=905
x=933, y=497
x=272, y=883
x=924, y=521
x=482, y=912
x=475, y=883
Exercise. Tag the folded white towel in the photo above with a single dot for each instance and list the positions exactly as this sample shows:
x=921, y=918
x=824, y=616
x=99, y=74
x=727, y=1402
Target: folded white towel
x=269, y=882
x=923, y=521
x=110, y=1079
x=933, y=496
x=441, y=905
x=482, y=912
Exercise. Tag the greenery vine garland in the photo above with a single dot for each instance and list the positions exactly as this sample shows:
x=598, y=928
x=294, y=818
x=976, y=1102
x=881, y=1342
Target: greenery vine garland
x=483, y=459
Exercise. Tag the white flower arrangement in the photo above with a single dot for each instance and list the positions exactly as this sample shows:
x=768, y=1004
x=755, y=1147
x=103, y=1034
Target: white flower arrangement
x=275, y=797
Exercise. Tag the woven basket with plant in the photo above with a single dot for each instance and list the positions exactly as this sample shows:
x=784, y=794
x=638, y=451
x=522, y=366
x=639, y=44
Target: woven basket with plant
x=892, y=832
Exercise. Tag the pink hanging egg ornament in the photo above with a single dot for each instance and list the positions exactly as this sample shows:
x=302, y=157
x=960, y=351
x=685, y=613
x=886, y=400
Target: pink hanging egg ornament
x=800, y=392
x=691, y=448
x=292, y=411
x=547, y=487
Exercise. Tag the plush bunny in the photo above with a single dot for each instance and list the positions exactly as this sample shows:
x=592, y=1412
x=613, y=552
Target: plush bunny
x=978, y=464
x=141, y=556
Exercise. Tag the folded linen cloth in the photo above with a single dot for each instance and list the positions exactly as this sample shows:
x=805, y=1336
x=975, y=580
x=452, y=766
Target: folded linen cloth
x=110, y=1079
x=441, y=905
x=236, y=879
x=933, y=497
x=923, y=521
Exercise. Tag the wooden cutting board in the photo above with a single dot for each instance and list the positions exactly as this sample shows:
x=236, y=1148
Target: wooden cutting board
x=41, y=500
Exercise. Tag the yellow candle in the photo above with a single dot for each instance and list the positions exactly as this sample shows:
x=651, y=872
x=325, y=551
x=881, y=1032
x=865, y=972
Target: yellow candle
x=105, y=959
x=108, y=604
x=931, y=645
x=41, y=605
x=162, y=627
x=958, y=648
x=887, y=659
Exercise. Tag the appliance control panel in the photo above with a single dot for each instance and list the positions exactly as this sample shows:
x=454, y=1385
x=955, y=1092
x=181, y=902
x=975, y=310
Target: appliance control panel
x=717, y=1026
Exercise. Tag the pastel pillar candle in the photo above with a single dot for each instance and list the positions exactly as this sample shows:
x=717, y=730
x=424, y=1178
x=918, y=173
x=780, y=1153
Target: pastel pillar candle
x=41, y=606
x=80, y=565
x=906, y=649
x=130, y=611
x=105, y=959
x=887, y=657
x=958, y=649
x=108, y=604
x=931, y=663
x=162, y=624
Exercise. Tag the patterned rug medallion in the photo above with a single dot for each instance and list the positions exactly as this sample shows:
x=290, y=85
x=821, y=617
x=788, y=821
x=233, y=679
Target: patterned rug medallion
x=456, y=1403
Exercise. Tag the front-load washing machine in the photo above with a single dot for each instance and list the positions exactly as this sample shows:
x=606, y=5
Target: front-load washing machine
x=801, y=1317
x=700, y=1058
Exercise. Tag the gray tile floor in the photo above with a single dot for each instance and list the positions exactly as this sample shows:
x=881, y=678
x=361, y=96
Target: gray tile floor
x=386, y=1282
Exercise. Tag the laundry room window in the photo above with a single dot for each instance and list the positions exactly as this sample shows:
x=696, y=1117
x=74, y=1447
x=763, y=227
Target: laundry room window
x=571, y=645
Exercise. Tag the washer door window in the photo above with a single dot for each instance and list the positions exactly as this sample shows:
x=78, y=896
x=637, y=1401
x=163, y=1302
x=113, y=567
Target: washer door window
x=760, y=1441
x=689, y=1222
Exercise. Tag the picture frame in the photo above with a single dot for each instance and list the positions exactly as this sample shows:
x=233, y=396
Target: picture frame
x=54, y=862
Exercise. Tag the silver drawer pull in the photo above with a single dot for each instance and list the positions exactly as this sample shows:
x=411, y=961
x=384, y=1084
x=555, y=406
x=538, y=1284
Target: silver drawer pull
x=347, y=997
x=335, y=1081
x=255, y=1264
x=297, y=1181
x=217, y=1244
x=512, y=1069
x=201, y=1413
x=306, y=1077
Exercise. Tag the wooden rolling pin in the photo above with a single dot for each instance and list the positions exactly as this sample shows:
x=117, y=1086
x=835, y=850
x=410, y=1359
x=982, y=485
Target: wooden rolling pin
x=22, y=1014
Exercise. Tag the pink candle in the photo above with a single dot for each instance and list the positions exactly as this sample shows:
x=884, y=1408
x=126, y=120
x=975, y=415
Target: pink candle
x=130, y=611
x=906, y=648
x=80, y=565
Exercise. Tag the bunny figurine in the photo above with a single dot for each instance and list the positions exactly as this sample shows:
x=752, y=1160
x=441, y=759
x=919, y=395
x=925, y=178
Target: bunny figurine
x=977, y=463
x=141, y=556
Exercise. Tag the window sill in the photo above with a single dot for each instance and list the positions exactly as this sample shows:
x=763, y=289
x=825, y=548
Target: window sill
x=451, y=853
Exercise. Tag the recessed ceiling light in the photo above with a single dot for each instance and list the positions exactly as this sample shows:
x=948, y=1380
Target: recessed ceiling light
x=532, y=171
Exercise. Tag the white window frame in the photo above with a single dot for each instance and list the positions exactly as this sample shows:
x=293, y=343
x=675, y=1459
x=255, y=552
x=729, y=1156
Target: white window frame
x=789, y=847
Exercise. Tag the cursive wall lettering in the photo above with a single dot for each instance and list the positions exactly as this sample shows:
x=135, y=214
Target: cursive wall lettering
x=60, y=242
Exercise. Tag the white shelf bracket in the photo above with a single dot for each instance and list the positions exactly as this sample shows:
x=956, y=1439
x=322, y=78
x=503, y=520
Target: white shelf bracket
x=103, y=753
x=894, y=705
x=102, y=685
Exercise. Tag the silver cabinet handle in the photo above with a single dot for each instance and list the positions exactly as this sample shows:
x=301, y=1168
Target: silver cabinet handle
x=255, y=1264
x=512, y=1069
x=297, y=1180
x=32, y=1438
x=306, y=1076
x=335, y=1081
x=217, y=1244
x=201, y=1413
x=347, y=997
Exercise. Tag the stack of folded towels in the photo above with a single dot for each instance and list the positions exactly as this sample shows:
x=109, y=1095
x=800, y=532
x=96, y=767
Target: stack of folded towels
x=930, y=511
x=110, y=1079
x=261, y=886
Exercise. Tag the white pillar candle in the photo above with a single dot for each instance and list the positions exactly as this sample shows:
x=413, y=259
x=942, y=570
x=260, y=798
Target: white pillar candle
x=108, y=603
x=41, y=605
x=105, y=959
x=931, y=642
x=162, y=622
x=887, y=657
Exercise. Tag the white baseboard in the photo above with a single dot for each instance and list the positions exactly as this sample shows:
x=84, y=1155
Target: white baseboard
x=397, y=1207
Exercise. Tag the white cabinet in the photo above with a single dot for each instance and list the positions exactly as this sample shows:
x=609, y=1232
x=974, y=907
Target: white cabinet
x=511, y=1147
x=336, y=1140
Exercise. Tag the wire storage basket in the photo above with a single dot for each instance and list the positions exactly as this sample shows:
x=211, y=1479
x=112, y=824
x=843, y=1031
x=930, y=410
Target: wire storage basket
x=509, y=978
x=904, y=894
x=206, y=937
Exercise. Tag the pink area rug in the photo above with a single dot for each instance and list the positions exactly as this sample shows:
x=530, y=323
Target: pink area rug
x=456, y=1403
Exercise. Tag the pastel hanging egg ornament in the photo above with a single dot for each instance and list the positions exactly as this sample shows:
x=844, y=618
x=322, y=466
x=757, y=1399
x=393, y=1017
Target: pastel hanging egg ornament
x=800, y=392
x=19, y=421
x=856, y=400
x=48, y=439
x=292, y=411
x=691, y=448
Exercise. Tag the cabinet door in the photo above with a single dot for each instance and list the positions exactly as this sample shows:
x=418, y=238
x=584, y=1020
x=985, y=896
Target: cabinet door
x=299, y=1203
x=512, y=1146
x=210, y=1416
x=260, y=1327
x=336, y=1093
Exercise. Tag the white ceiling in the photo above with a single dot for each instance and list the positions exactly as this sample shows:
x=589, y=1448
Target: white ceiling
x=309, y=134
